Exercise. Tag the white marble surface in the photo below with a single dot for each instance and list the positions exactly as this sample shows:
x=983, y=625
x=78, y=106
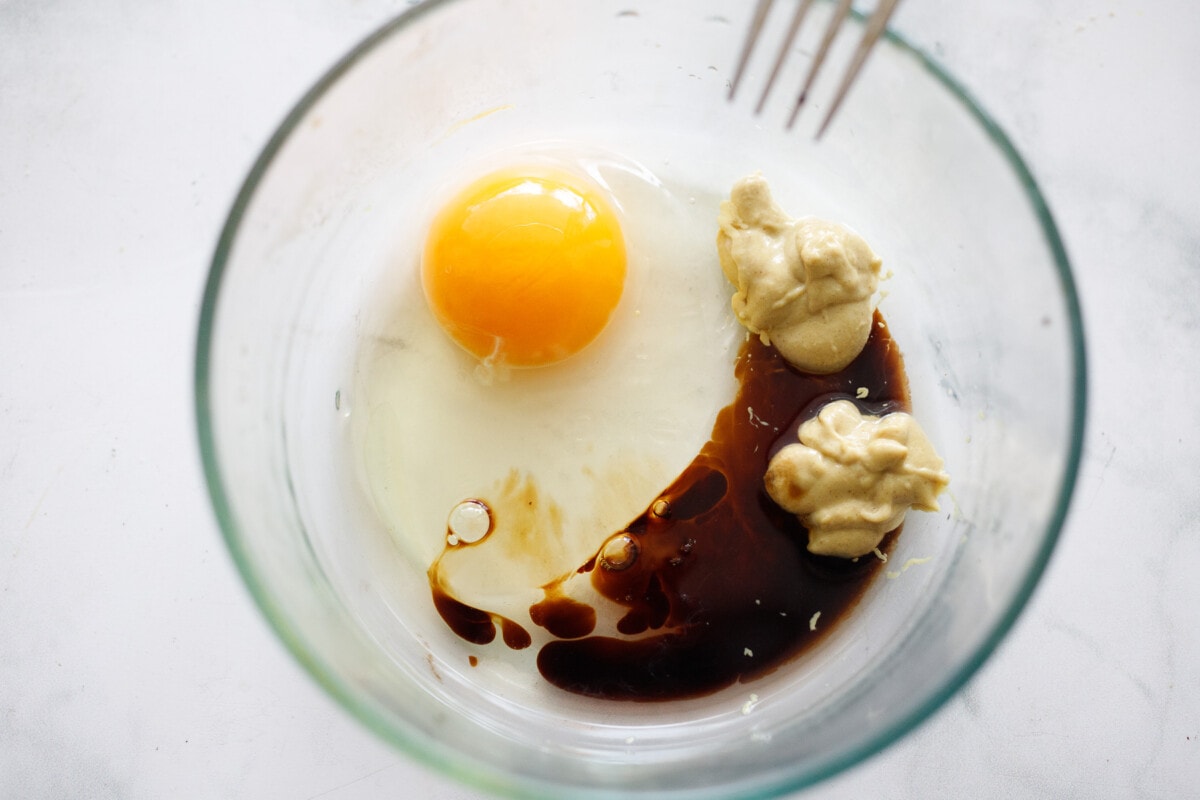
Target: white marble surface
x=133, y=663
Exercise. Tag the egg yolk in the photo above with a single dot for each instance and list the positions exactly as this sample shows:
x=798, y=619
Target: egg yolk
x=524, y=269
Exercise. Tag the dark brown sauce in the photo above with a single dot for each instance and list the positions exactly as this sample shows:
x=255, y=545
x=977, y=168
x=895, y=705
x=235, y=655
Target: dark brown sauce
x=563, y=616
x=475, y=625
x=722, y=587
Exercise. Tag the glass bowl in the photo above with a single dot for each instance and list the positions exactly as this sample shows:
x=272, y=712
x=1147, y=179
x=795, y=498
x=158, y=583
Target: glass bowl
x=313, y=277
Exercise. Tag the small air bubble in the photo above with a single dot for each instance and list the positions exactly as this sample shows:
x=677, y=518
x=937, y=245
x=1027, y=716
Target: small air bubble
x=469, y=522
x=661, y=508
x=619, y=552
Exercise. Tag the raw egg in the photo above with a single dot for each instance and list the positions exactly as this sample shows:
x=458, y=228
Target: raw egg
x=524, y=269
x=563, y=455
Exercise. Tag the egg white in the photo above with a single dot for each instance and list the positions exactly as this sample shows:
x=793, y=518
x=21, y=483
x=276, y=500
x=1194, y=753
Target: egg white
x=568, y=453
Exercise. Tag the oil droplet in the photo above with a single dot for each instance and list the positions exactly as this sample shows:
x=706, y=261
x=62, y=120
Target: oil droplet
x=470, y=521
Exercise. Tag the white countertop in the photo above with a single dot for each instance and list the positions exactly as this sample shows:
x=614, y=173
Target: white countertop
x=133, y=663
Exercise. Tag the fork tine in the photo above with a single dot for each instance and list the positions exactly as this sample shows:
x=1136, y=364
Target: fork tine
x=872, y=31
x=788, y=40
x=875, y=28
x=839, y=15
x=756, y=25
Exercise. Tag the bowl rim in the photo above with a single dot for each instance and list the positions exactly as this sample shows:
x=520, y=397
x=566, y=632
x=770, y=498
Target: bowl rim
x=461, y=768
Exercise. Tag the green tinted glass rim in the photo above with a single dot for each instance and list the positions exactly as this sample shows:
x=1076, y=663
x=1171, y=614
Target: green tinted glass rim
x=467, y=771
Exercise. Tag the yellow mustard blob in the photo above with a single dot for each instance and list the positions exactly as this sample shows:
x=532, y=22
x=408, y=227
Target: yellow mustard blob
x=524, y=269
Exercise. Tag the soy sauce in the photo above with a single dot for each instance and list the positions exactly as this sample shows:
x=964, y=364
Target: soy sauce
x=715, y=580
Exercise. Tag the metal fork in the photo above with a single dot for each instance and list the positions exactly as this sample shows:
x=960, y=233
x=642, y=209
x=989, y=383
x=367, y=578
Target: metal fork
x=874, y=29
